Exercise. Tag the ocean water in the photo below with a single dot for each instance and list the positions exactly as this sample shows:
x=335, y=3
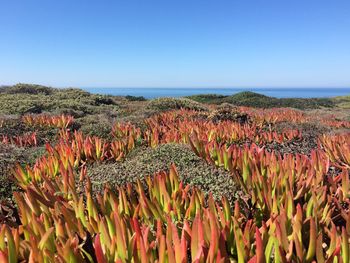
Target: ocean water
x=150, y=93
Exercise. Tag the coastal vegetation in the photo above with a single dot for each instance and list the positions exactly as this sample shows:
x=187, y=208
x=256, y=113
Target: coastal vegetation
x=343, y=101
x=252, y=99
x=207, y=178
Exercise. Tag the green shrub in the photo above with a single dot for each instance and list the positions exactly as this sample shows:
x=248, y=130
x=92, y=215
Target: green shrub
x=23, y=98
x=135, y=98
x=104, y=100
x=165, y=104
x=142, y=162
x=26, y=88
x=208, y=98
x=95, y=125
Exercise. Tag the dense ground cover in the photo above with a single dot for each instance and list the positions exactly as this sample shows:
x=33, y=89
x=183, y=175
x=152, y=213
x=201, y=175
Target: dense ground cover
x=115, y=179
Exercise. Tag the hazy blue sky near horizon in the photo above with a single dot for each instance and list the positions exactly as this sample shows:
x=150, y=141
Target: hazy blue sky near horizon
x=183, y=43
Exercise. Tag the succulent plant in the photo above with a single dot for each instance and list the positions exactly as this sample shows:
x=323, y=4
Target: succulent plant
x=297, y=211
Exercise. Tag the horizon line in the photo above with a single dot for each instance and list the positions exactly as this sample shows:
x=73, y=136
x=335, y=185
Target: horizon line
x=181, y=87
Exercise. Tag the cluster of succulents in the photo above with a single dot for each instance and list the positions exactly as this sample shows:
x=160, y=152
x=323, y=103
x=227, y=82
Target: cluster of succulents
x=29, y=139
x=274, y=115
x=336, y=123
x=338, y=148
x=25, y=140
x=176, y=126
x=297, y=210
x=42, y=120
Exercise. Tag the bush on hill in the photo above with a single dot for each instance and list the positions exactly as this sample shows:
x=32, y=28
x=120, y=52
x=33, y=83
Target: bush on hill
x=27, y=89
x=24, y=98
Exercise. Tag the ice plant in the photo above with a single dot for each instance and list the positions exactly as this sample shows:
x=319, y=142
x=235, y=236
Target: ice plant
x=337, y=148
x=25, y=140
x=275, y=115
x=297, y=211
x=42, y=120
x=176, y=126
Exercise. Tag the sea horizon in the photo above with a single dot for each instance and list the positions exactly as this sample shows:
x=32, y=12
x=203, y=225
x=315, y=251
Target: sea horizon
x=158, y=92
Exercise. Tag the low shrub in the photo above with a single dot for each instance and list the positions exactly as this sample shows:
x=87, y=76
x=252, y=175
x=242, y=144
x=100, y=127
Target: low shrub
x=27, y=99
x=95, y=125
x=143, y=162
x=208, y=98
x=165, y=104
x=135, y=98
x=26, y=89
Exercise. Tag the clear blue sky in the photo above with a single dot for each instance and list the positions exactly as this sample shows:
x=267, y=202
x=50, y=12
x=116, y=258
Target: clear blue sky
x=175, y=43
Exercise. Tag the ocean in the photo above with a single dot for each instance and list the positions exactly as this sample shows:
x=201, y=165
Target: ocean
x=150, y=93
